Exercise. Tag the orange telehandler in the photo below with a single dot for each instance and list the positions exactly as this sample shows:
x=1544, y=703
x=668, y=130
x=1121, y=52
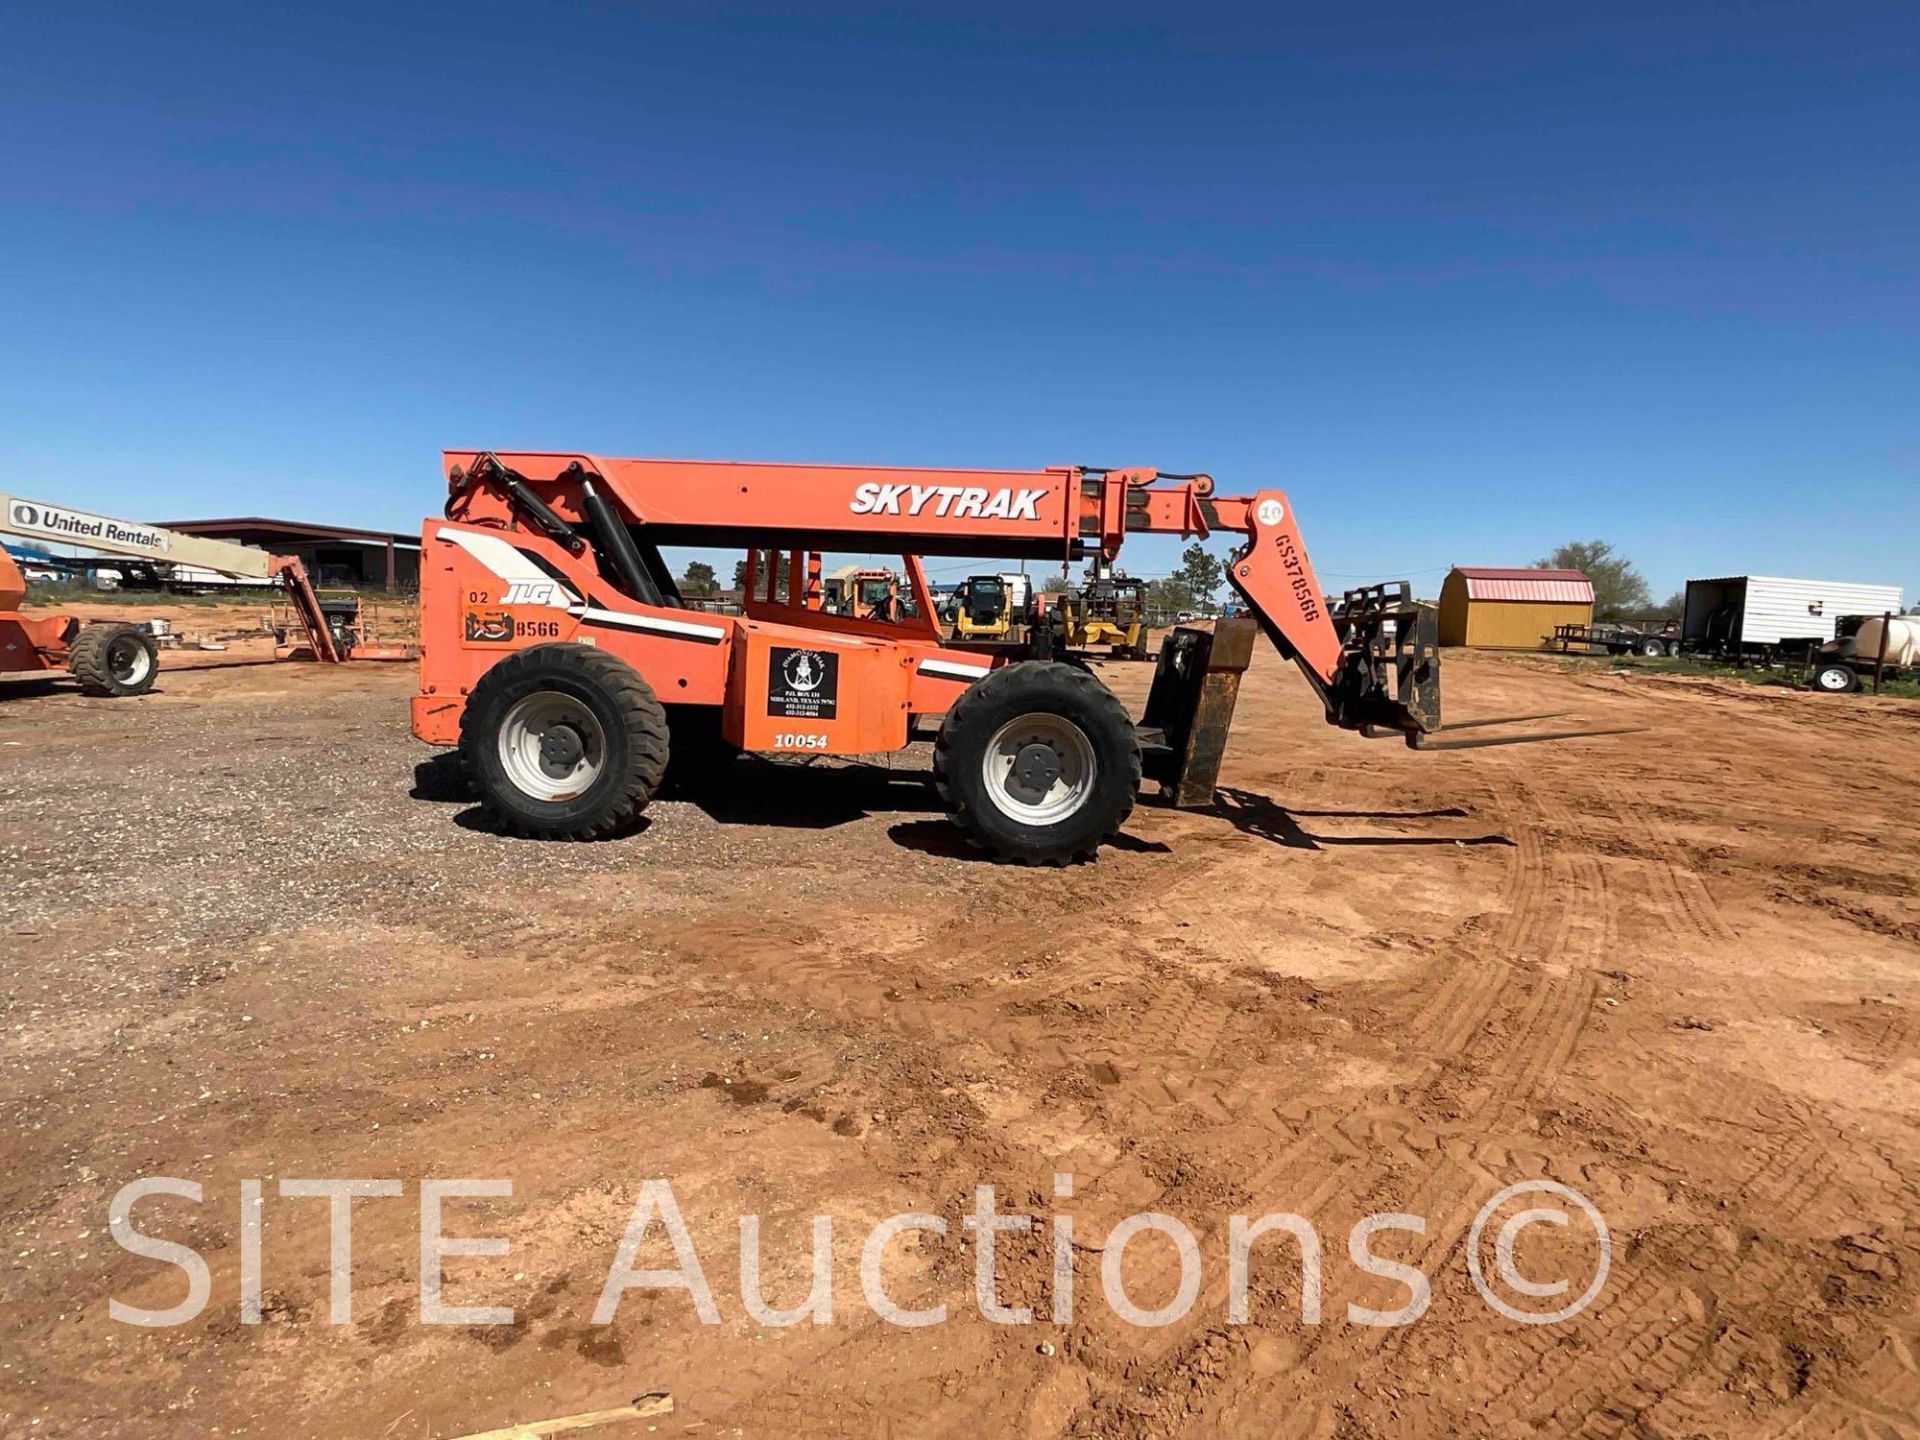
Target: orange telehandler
x=557, y=654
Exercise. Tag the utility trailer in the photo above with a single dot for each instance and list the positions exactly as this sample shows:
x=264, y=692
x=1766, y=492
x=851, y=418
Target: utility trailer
x=1765, y=619
x=1866, y=647
x=1613, y=639
x=557, y=653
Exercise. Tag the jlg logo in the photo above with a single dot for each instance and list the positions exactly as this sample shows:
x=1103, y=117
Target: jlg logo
x=957, y=502
x=535, y=592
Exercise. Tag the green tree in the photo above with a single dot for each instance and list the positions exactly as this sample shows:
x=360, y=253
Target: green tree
x=1618, y=588
x=1169, y=596
x=699, y=581
x=1201, y=572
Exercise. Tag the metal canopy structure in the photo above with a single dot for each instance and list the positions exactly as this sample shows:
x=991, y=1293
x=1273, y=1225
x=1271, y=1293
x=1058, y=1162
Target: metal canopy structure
x=333, y=553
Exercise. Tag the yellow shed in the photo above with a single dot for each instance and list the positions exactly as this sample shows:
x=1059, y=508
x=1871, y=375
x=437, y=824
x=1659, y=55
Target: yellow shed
x=1511, y=609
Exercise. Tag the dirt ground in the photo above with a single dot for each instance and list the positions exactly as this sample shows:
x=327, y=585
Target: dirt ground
x=251, y=930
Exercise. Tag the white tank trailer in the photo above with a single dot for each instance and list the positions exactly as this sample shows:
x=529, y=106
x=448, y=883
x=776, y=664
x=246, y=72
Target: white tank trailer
x=1856, y=652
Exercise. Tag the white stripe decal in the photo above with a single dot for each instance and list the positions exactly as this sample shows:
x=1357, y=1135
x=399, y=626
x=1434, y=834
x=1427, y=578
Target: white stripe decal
x=504, y=560
x=648, y=622
x=958, y=672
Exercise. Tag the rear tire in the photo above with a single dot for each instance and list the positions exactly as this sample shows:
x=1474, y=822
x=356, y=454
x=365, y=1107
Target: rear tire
x=114, y=659
x=1832, y=679
x=1651, y=648
x=564, y=742
x=1038, y=763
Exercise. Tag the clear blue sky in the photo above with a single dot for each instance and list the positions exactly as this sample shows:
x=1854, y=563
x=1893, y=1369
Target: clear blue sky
x=1468, y=280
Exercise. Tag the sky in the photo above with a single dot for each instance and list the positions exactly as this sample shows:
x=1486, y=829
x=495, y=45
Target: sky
x=1467, y=280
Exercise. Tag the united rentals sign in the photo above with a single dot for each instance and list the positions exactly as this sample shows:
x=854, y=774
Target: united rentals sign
x=77, y=527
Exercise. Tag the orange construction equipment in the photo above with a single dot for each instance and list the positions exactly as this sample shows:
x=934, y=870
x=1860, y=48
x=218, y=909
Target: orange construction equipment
x=120, y=659
x=115, y=660
x=556, y=651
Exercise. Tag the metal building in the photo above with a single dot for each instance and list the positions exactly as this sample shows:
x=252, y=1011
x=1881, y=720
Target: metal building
x=1511, y=609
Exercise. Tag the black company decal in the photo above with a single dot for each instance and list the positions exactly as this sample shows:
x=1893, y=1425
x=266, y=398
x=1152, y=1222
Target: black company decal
x=803, y=684
x=489, y=627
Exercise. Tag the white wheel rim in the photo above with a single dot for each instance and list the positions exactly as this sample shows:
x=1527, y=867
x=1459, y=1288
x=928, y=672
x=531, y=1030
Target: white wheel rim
x=1007, y=770
x=128, y=661
x=1833, y=679
x=552, y=746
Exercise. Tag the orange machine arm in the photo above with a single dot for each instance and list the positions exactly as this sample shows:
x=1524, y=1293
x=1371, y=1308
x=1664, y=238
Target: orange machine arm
x=1059, y=513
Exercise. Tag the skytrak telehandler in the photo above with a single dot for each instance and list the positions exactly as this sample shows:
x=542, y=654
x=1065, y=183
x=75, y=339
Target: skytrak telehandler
x=556, y=652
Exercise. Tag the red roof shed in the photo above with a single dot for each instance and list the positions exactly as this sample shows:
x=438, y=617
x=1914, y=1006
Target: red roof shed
x=1511, y=608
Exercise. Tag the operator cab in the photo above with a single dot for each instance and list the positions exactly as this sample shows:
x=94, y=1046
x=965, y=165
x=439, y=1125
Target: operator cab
x=878, y=597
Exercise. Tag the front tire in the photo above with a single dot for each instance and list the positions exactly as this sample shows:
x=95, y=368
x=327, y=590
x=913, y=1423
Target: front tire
x=1653, y=649
x=114, y=659
x=1038, y=763
x=564, y=742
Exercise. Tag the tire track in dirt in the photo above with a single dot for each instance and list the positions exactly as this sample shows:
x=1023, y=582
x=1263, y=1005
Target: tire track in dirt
x=1527, y=890
x=1682, y=896
x=1551, y=1031
x=1638, y=1343
x=1632, y=1350
x=1560, y=921
x=1665, y=1335
x=1794, y=1166
x=1572, y=924
x=1347, y=1150
x=1560, y=910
